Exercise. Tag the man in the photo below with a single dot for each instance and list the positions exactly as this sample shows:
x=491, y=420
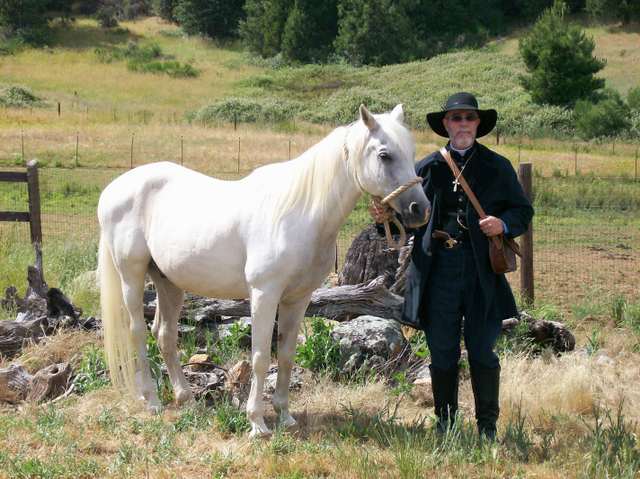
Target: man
x=450, y=278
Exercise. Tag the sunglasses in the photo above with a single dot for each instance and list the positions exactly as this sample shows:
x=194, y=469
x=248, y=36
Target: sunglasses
x=457, y=118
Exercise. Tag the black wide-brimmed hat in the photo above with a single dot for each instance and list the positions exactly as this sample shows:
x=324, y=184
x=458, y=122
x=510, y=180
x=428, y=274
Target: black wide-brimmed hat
x=463, y=101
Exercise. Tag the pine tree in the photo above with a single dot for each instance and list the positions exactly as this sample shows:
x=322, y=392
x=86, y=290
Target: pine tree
x=559, y=59
x=213, y=18
x=261, y=30
x=374, y=32
x=310, y=30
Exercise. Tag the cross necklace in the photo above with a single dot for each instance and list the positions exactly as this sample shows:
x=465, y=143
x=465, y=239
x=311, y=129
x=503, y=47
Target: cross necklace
x=456, y=181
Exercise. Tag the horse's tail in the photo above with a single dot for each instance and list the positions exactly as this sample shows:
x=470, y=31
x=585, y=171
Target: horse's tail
x=118, y=340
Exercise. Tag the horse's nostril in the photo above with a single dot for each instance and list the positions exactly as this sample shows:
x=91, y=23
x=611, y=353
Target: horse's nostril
x=414, y=208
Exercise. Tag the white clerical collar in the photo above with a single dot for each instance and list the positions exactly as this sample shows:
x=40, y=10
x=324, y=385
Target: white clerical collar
x=461, y=152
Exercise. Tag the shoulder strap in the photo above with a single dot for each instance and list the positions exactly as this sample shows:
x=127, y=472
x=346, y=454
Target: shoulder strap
x=465, y=186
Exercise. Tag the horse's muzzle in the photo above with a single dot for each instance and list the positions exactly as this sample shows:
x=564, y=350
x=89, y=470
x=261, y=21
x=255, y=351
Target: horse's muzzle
x=416, y=213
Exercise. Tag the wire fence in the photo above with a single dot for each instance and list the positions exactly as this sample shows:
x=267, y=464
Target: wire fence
x=588, y=253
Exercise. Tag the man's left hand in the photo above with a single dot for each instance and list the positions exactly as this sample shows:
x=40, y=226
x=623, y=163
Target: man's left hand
x=491, y=226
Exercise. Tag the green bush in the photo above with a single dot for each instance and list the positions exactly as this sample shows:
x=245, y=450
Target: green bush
x=92, y=372
x=320, y=352
x=19, y=97
x=559, y=59
x=607, y=118
x=247, y=111
x=146, y=59
x=342, y=106
x=633, y=98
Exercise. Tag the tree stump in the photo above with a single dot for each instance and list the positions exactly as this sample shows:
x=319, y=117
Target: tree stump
x=50, y=382
x=14, y=334
x=369, y=257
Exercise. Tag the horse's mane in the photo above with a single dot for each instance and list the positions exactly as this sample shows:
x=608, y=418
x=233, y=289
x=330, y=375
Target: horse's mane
x=311, y=176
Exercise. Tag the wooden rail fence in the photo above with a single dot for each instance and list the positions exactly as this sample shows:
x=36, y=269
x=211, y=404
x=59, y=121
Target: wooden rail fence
x=33, y=215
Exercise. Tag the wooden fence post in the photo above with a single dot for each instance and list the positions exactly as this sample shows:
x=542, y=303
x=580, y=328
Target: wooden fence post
x=526, y=243
x=34, y=202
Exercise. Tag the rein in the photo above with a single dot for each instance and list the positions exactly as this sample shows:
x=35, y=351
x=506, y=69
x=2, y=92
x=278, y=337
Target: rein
x=385, y=201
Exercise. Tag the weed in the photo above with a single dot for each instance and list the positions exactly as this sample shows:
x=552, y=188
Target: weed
x=232, y=344
x=517, y=436
x=612, y=444
x=418, y=342
x=593, y=342
x=92, y=372
x=229, y=419
x=49, y=425
x=196, y=416
x=319, y=352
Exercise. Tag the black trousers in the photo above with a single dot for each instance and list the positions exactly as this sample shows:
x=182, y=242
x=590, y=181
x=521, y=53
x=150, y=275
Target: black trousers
x=453, y=299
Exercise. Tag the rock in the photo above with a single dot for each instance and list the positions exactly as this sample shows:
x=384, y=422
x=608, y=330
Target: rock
x=272, y=377
x=200, y=362
x=239, y=374
x=368, y=340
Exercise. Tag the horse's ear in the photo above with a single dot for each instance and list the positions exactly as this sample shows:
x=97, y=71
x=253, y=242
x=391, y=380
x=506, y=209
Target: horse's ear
x=367, y=118
x=398, y=113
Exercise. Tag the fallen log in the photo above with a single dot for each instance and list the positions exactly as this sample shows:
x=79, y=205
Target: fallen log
x=340, y=303
x=15, y=334
x=15, y=383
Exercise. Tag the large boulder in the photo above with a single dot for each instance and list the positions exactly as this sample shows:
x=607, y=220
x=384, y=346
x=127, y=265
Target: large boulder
x=368, y=341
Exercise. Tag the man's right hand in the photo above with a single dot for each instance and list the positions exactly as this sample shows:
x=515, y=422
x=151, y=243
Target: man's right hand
x=380, y=212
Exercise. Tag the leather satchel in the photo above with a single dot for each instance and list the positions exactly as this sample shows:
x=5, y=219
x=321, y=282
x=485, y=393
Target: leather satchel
x=502, y=250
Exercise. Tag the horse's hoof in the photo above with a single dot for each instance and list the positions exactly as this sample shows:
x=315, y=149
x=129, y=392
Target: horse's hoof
x=287, y=422
x=184, y=397
x=154, y=408
x=260, y=433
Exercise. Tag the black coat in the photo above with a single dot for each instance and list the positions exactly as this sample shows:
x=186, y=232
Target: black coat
x=493, y=180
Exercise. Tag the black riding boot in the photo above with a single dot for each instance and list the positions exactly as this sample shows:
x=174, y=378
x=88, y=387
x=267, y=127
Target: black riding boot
x=444, y=384
x=486, y=392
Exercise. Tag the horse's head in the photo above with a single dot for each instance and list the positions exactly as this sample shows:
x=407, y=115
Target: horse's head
x=387, y=163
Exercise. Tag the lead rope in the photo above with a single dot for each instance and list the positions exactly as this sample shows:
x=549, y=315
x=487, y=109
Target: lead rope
x=385, y=201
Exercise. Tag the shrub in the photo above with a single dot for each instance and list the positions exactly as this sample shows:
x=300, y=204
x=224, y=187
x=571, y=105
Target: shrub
x=633, y=98
x=559, y=59
x=342, y=106
x=320, y=352
x=92, y=372
x=247, y=111
x=19, y=97
x=608, y=117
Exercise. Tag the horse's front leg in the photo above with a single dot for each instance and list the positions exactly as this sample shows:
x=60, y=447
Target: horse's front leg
x=263, y=312
x=289, y=317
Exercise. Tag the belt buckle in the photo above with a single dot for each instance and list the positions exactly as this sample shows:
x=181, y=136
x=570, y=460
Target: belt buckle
x=450, y=243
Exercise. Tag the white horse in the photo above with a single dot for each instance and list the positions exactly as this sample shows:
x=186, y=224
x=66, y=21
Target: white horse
x=269, y=237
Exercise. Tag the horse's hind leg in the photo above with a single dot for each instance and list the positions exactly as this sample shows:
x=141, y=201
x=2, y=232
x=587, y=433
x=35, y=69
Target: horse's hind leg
x=289, y=317
x=165, y=329
x=263, y=314
x=132, y=289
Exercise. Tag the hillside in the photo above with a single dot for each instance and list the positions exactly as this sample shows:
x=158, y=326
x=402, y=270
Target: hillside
x=326, y=94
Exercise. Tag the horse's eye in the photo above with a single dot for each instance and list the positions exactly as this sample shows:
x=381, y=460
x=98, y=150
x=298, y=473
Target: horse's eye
x=384, y=156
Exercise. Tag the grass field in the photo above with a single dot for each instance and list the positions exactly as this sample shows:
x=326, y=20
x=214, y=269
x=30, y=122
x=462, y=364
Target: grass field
x=572, y=416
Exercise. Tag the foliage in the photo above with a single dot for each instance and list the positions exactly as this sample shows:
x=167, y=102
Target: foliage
x=213, y=18
x=24, y=19
x=262, y=29
x=247, y=111
x=633, y=98
x=92, y=372
x=559, y=59
x=624, y=10
x=309, y=30
x=16, y=96
x=229, y=419
x=230, y=346
x=613, y=445
x=375, y=33
x=319, y=352
x=146, y=59
x=607, y=117
x=164, y=9
x=107, y=14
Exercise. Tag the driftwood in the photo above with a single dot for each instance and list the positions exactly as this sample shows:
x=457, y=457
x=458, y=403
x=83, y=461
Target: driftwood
x=544, y=333
x=15, y=334
x=339, y=304
x=15, y=383
x=50, y=382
